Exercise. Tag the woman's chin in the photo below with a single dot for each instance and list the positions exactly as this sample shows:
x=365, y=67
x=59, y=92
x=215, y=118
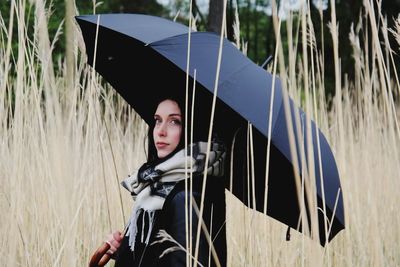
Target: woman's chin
x=162, y=154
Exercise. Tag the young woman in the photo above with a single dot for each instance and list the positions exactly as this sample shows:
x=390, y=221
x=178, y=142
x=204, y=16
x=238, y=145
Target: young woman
x=158, y=189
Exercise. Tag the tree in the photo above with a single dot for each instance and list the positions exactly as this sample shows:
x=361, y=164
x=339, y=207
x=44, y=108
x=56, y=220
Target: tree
x=215, y=13
x=138, y=6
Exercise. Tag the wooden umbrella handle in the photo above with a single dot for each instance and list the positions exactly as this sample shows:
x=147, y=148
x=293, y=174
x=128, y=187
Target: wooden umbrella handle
x=100, y=256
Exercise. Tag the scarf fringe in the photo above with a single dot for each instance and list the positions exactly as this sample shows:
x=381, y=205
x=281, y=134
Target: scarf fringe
x=147, y=217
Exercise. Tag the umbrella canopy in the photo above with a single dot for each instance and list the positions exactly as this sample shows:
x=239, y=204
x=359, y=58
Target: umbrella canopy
x=145, y=59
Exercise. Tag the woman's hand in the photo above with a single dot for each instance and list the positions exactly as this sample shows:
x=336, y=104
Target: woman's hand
x=107, y=250
x=114, y=240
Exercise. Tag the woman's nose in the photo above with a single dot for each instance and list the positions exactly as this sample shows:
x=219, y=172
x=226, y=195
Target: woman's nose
x=162, y=130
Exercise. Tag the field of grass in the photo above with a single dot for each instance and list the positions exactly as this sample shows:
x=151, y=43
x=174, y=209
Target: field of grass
x=63, y=151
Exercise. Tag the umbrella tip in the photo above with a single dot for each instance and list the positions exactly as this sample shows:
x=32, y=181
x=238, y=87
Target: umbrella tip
x=266, y=62
x=288, y=234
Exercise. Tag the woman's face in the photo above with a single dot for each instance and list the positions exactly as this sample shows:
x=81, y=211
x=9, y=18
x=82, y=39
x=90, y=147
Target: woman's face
x=168, y=127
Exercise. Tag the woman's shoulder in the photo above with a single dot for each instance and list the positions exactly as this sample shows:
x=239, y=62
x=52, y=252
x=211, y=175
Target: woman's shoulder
x=212, y=184
x=215, y=192
x=176, y=198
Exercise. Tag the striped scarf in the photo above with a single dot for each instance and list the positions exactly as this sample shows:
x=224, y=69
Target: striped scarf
x=151, y=184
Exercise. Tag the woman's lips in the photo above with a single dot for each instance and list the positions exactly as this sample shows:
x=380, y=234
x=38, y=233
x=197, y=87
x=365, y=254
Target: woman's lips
x=161, y=145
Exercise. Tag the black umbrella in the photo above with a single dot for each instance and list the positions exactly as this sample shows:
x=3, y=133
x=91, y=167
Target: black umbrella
x=144, y=58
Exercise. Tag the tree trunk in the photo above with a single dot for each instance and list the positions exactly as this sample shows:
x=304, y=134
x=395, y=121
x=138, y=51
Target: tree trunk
x=216, y=11
x=230, y=20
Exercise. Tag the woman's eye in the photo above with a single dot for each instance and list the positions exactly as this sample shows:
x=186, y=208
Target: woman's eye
x=157, y=120
x=176, y=122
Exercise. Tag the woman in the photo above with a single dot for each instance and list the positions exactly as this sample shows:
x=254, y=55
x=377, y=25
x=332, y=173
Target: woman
x=159, y=192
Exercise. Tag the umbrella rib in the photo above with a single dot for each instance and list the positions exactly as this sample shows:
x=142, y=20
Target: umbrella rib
x=238, y=70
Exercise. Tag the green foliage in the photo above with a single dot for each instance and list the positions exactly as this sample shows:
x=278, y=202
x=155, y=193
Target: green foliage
x=137, y=6
x=258, y=31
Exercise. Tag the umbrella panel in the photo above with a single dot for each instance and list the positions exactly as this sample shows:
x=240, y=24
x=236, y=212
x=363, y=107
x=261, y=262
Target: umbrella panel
x=282, y=199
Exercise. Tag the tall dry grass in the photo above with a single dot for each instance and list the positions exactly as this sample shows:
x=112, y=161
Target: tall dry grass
x=64, y=150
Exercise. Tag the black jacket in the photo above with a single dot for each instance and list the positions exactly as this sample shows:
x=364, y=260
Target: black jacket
x=172, y=219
